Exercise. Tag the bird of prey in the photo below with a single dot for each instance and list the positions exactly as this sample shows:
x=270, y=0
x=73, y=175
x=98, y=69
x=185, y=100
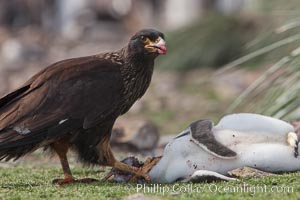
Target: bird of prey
x=74, y=103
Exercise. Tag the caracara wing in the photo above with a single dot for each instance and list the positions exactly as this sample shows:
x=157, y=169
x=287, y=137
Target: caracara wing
x=70, y=94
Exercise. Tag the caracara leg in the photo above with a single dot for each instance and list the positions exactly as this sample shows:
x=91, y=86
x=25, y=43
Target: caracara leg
x=61, y=148
x=107, y=158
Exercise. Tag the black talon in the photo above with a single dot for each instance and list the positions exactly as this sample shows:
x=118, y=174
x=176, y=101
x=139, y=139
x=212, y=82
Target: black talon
x=55, y=181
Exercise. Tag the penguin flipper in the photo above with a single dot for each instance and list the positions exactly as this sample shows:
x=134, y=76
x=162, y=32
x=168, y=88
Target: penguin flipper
x=203, y=135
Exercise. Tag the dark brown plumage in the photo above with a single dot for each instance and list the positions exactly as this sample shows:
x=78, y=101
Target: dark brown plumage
x=75, y=102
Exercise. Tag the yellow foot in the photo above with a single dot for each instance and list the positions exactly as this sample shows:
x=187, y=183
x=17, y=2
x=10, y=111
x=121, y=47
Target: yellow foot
x=143, y=171
x=134, y=173
x=140, y=172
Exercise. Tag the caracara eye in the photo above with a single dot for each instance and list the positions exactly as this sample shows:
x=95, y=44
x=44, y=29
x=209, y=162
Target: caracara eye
x=143, y=38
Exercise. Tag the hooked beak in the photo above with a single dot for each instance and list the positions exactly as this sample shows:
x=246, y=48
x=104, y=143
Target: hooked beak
x=158, y=46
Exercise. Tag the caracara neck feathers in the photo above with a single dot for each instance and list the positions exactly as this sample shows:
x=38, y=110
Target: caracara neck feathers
x=136, y=70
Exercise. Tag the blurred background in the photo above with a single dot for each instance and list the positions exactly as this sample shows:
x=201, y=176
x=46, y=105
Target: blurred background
x=223, y=56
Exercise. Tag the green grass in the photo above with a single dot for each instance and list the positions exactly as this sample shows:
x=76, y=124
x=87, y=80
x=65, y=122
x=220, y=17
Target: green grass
x=29, y=182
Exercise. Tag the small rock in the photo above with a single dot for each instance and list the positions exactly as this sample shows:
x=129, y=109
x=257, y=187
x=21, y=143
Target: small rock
x=143, y=136
x=11, y=51
x=6, y=165
x=249, y=172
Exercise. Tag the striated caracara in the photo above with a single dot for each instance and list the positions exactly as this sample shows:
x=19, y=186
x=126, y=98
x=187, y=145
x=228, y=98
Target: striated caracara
x=75, y=102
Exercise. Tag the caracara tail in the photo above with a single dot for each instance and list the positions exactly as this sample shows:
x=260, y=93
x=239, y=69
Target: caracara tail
x=13, y=146
x=20, y=133
x=17, y=142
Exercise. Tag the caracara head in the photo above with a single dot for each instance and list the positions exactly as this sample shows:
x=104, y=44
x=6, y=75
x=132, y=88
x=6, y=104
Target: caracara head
x=148, y=42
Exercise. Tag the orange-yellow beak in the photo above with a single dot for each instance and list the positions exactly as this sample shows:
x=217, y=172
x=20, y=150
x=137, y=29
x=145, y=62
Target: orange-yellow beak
x=158, y=46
